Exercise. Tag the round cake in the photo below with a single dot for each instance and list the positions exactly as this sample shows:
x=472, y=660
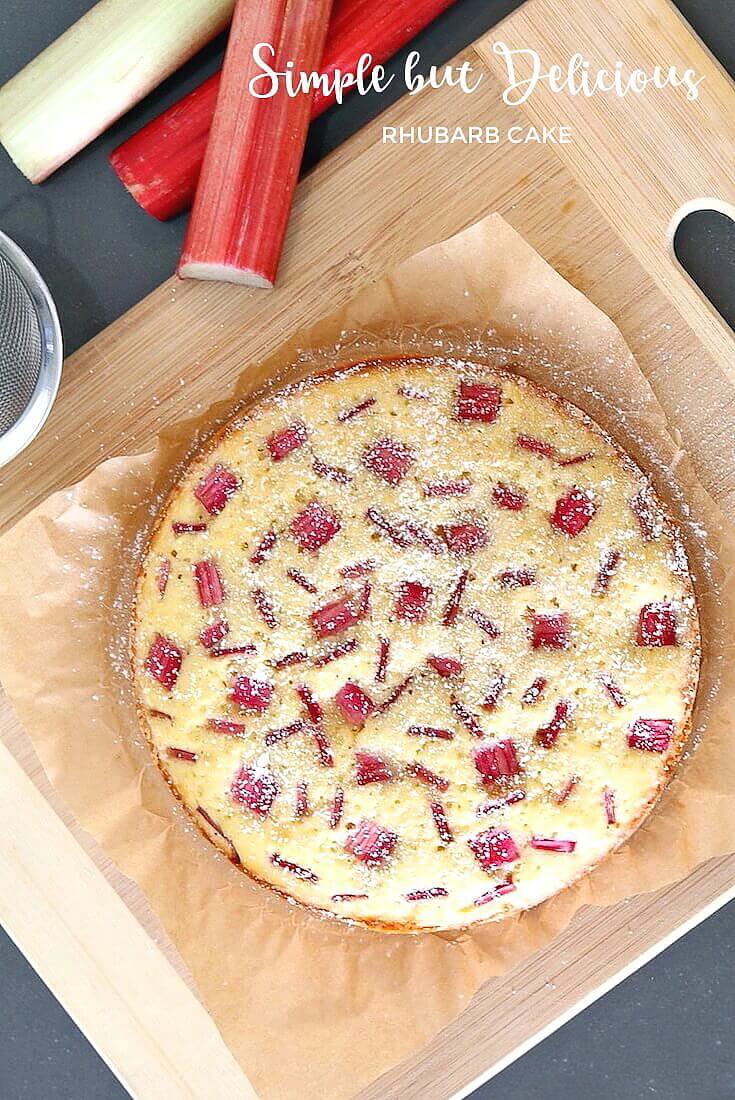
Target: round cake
x=415, y=643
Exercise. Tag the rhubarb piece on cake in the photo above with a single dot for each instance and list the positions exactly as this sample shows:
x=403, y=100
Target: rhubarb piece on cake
x=315, y=526
x=371, y=843
x=389, y=460
x=401, y=656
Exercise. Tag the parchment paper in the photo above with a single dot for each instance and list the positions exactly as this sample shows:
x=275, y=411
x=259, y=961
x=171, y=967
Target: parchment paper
x=309, y=1006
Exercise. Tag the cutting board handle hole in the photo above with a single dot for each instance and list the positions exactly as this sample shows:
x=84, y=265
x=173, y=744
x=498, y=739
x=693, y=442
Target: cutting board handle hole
x=702, y=241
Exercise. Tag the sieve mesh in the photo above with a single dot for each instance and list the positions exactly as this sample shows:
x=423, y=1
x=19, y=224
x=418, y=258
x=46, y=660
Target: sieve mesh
x=21, y=346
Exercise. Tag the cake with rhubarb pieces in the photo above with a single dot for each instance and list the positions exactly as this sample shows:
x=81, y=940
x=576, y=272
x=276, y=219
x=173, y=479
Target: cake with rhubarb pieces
x=415, y=643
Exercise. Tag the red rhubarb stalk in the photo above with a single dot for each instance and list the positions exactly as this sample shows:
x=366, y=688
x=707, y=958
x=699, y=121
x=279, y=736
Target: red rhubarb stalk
x=253, y=155
x=160, y=164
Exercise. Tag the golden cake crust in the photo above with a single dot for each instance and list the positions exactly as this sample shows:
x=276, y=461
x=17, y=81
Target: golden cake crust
x=523, y=770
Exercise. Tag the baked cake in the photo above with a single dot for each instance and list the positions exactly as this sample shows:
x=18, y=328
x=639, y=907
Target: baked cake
x=415, y=644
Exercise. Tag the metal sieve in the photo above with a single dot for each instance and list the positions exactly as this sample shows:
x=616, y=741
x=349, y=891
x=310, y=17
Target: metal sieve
x=30, y=350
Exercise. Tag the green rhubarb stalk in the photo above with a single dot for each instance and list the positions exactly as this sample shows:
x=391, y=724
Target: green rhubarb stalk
x=104, y=64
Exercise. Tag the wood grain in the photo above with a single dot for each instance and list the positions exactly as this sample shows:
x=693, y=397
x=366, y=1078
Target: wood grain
x=599, y=211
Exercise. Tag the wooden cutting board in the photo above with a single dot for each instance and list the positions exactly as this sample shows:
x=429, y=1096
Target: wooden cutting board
x=600, y=210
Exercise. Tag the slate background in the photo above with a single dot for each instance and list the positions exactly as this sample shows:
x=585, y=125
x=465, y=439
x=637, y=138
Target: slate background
x=668, y=1029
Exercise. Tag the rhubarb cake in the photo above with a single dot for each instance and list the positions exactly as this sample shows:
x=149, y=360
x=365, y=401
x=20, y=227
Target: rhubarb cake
x=415, y=643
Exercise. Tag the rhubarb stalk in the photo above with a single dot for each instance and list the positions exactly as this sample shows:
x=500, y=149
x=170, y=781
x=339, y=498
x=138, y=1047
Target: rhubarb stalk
x=250, y=169
x=160, y=164
x=106, y=62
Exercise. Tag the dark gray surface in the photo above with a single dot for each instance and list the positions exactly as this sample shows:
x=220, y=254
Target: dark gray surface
x=667, y=1031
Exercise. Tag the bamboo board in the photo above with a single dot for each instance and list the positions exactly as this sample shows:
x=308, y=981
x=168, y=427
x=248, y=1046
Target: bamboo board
x=600, y=210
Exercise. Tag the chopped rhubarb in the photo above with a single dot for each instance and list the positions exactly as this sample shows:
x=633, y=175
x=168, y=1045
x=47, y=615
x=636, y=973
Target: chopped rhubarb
x=494, y=690
x=164, y=571
x=293, y=868
x=550, y=631
x=517, y=578
x=225, y=726
x=425, y=895
x=330, y=655
x=608, y=802
x=464, y=538
x=209, y=583
x=212, y=823
x=575, y=460
x=550, y=844
x=181, y=754
x=479, y=618
x=162, y=714
x=288, y=660
x=446, y=667
x=536, y=446
x=264, y=547
x=609, y=562
x=282, y=442
x=251, y=694
x=434, y=732
x=337, y=898
x=422, y=773
x=163, y=662
x=573, y=512
x=496, y=892
x=383, y=655
x=563, y=794
x=477, y=401
x=395, y=695
x=547, y=735
x=337, y=474
x=455, y=599
x=657, y=623
x=355, y=705
x=213, y=634
x=441, y=822
x=340, y=614
x=397, y=534
x=534, y=691
x=645, y=511
x=180, y=528
x=371, y=768
x=466, y=717
x=492, y=848
x=273, y=737
x=349, y=414
x=311, y=706
x=388, y=459
x=651, y=734
x=232, y=650
x=301, y=581
x=412, y=393
x=216, y=488
x=612, y=690
x=509, y=799
x=255, y=788
x=423, y=536
x=497, y=760
x=371, y=843
x=412, y=601
x=323, y=748
x=264, y=607
x=315, y=526
x=512, y=500
x=358, y=569
x=336, y=808
x=447, y=488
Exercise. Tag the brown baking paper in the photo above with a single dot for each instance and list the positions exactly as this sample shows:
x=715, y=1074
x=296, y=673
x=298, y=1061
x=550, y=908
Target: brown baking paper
x=309, y=1006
